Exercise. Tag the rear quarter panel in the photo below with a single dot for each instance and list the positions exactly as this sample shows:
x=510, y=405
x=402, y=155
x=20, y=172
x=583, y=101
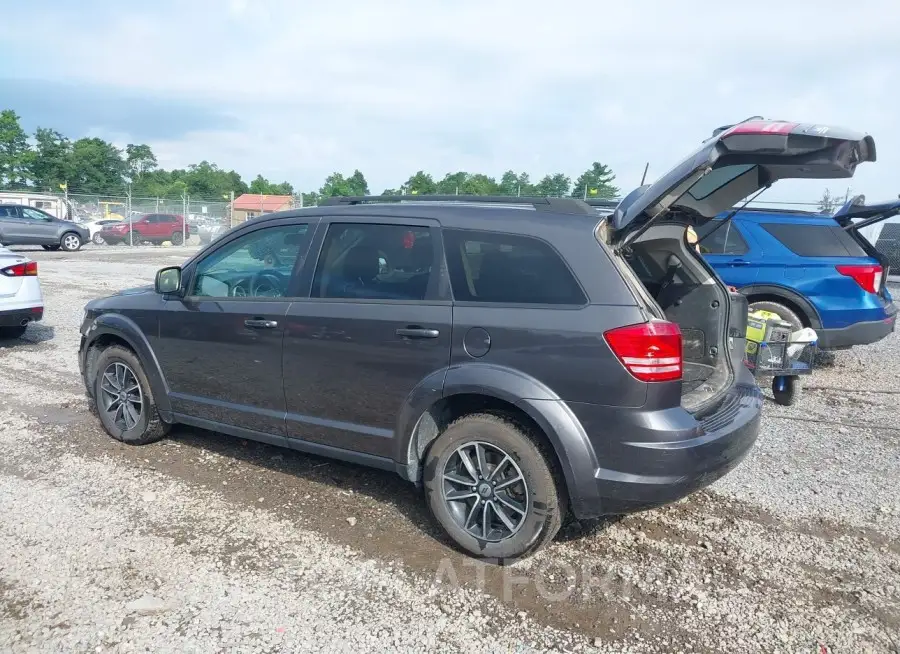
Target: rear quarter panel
x=838, y=299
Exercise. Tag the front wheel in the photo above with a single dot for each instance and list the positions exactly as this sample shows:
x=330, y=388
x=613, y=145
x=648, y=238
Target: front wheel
x=124, y=399
x=490, y=484
x=70, y=242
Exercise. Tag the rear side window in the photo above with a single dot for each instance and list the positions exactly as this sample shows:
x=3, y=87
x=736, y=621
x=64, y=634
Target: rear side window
x=815, y=240
x=508, y=269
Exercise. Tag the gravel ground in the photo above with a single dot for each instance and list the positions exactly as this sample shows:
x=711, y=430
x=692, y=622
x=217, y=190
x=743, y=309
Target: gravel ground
x=205, y=543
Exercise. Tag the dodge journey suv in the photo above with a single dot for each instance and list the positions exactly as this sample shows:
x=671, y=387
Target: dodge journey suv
x=518, y=358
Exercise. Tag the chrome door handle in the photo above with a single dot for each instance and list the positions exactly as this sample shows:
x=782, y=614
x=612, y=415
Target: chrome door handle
x=259, y=323
x=417, y=332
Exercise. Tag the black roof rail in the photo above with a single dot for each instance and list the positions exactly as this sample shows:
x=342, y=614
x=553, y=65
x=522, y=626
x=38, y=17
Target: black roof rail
x=557, y=205
x=602, y=202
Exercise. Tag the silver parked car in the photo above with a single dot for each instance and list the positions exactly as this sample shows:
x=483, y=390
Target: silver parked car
x=21, y=225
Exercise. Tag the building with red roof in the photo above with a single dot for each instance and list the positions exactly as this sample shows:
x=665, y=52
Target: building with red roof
x=250, y=205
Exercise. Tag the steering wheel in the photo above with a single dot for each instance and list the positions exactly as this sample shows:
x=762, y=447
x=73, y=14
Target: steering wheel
x=267, y=283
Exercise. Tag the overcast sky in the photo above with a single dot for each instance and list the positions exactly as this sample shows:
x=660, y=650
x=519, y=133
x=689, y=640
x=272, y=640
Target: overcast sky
x=297, y=89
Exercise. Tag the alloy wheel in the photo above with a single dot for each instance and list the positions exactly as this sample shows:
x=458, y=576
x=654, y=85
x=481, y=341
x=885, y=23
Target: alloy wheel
x=71, y=242
x=121, y=397
x=485, y=491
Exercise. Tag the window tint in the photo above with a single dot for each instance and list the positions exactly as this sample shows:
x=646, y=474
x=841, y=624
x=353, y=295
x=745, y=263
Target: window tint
x=510, y=269
x=815, y=240
x=716, y=238
x=258, y=264
x=8, y=212
x=34, y=214
x=368, y=261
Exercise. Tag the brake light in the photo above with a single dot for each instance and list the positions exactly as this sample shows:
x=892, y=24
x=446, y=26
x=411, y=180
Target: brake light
x=868, y=277
x=762, y=127
x=21, y=270
x=650, y=351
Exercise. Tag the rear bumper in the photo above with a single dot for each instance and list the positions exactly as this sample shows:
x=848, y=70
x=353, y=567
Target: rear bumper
x=861, y=333
x=17, y=317
x=650, y=458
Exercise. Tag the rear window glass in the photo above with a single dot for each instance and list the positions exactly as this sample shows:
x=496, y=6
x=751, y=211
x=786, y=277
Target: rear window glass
x=815, y=240
x=507, y=269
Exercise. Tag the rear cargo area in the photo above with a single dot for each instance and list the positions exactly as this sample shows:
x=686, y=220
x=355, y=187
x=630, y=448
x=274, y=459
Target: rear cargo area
x=684, y=290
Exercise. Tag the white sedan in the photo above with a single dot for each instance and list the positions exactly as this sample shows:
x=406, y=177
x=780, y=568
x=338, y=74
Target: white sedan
x=96, y=226
x=21, y=300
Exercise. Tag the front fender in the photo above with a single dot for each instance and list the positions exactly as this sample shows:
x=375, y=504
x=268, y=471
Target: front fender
x=417, y=426
x=115, y=324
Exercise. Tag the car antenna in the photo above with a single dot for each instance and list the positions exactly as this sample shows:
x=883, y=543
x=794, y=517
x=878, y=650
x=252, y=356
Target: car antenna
x=733, y=212
x=644, y=176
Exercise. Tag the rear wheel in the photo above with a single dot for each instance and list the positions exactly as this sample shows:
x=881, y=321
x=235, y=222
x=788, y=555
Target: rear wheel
x=490, y=484
x=177, y=238
x=786, y=389
x=70, y=242
x=787, y=314
x=12, y=332
x=96, y=239
x=124, y=400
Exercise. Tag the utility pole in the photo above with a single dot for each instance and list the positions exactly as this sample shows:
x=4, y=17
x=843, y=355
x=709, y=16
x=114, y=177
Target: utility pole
x=187, y=210
x=183, y=213
x=231, y=211
x=130, y=217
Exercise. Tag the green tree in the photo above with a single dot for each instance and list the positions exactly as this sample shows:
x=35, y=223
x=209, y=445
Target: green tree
x=555, y=186
x=512, y=183
x=419, y=184
x=97, y=167
x=596, y=182
x=51, y=163
x=15, y=155
x=140, y=160
x=336, y=185
x=262, y=186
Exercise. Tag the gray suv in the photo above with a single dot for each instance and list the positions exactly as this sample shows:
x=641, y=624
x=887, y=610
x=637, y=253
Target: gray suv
x=21, y=225
x=520, y=358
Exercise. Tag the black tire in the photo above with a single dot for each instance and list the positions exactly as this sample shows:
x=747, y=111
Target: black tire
x=9, y=333
x=790, y=391
x=148, y=427
x=177, y=238
x=786, y=313
x=52, y=248
x=70, y=242
x=96, y=239
x=545, y=504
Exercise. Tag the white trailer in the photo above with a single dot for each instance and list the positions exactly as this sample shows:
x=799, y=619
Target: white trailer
x=52, y=204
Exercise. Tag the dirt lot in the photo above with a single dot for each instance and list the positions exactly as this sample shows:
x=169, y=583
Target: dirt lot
x=205, y=543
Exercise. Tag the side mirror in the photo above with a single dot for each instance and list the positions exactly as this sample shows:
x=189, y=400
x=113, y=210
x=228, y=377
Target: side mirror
x=168, y=280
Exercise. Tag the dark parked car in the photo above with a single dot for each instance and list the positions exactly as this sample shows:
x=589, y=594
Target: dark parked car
x=152, y=227
x=21, y=225
x=519, y=358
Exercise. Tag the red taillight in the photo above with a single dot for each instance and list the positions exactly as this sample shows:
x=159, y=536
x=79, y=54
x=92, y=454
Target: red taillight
x=868, y=277
x=21, y=270
x=759, y=127
x=650, y=351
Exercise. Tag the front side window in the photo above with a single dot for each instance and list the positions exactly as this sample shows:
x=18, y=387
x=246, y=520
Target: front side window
x=376, y=262
x=258, y=264
x=34, y=214
x=508, y=269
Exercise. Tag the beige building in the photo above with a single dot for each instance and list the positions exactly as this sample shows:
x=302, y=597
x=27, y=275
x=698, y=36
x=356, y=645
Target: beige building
x=251, y=205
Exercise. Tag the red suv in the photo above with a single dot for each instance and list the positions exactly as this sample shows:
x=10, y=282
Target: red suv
x=153, y=227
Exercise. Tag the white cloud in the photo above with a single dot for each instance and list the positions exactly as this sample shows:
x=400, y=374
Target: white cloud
x=486, y=84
